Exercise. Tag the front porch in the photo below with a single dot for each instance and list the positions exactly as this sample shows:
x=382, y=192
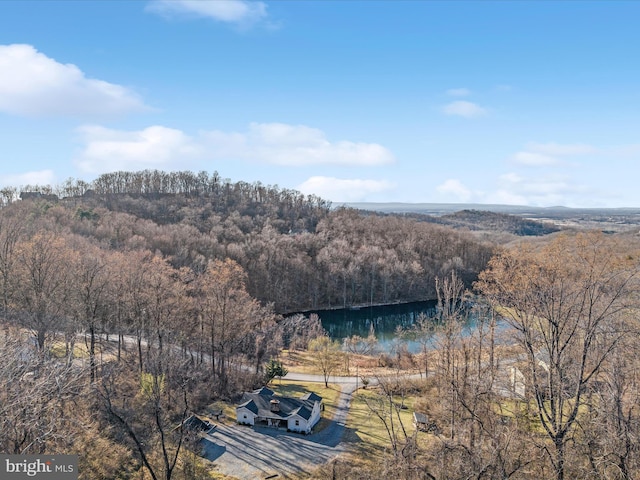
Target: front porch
x=270, y=422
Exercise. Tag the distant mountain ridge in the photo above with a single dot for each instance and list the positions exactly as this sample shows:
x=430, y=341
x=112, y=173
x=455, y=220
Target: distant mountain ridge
x=446, y=208
x=524, y=220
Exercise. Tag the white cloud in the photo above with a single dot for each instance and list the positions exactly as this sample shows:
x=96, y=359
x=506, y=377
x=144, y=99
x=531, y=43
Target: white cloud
x=506, y=197
x=463, y=108
x=546, y=154
x=109, y=150
x=239, y=12
x=343, y=190
x=41, y=177
x=531, y=159
x=455, y=188
x=515, y=189
x=459, y=92
x=32, y=84
x=561, y=149
x=550, y=190
x=293, y=145
x=269, y=143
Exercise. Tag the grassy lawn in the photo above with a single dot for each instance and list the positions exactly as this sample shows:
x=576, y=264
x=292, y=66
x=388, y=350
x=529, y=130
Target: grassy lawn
x=298, y=361
x=301, y=361
x=520, y=409
x=228, y=412
x=58, y=349
x=367, y=430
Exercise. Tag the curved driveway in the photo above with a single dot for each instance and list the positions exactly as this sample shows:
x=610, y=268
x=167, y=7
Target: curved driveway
x=252, y=453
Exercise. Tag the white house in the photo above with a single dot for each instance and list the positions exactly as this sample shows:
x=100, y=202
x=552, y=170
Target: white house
x=264, y=408
x=509, y=382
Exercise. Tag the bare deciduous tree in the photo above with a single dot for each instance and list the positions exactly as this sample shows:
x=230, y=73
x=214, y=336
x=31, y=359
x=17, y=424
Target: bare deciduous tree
x=35, y=396
x=150, y=412
x=43, y=286
x=11, y=231
x=327, y=356
x=569, y=304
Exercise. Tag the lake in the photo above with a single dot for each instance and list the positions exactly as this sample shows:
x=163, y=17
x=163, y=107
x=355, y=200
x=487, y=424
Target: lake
x=345, y=322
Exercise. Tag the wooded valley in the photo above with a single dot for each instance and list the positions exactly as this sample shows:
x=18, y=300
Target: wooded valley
x=133, y=301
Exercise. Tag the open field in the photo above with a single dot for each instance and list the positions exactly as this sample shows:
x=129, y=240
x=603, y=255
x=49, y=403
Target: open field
x=301, y=361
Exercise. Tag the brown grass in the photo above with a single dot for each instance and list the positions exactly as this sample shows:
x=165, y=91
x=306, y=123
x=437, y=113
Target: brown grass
x=301, y=361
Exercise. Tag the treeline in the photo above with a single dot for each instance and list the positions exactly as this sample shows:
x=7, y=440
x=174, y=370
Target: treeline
x=166, y=197
x=297, y=253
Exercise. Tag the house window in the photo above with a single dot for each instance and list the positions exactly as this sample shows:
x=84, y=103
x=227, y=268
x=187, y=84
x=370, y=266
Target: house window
x=297, y=423
x=245, y=416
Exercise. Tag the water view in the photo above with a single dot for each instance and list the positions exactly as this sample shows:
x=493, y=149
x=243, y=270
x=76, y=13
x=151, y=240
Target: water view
x=345, y=322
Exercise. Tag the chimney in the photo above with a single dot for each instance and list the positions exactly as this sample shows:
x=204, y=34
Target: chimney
x=275, y=405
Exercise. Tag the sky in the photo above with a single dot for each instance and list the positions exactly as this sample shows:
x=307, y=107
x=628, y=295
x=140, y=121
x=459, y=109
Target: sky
x=507, y=102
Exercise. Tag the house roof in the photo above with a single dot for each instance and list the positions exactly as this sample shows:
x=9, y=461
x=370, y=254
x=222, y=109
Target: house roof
x=314, y=397
x=196, y=423
x=259, y=402
x=303, y=412
x=249, y=405
x=264, y=391
x=420, y=417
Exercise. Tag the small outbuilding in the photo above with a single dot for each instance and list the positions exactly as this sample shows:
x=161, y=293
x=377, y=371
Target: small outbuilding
x=196, y=424
x=420, y=421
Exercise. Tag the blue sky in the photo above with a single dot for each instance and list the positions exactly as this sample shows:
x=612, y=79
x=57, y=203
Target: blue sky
x=510, y=102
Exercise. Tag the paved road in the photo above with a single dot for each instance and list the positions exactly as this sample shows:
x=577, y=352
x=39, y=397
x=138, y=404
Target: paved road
x=251, y=453
x=308, y=377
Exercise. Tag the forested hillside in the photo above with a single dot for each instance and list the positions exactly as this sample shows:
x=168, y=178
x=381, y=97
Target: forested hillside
x=496, y=222
x=130, y=303
x=297, y=253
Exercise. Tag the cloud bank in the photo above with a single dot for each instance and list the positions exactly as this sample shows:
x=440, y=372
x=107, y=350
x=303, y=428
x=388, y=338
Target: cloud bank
x=41, y=177
x=280, y=144
x=294, y=145
x=454, y=188
x=32, y=84
x=514, y=189
x=344, y=190
x=107, y=150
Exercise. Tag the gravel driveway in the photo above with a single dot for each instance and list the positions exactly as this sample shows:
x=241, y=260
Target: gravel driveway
x=252, y=453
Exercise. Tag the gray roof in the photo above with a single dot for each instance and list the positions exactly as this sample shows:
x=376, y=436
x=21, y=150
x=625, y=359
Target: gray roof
x=420, y=417
x=249, y=405
x=259, y=402
x=264, y=391
x=314, y=397
x=196, y=423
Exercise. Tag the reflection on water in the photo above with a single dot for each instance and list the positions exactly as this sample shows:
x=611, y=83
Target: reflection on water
x=344, y=323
